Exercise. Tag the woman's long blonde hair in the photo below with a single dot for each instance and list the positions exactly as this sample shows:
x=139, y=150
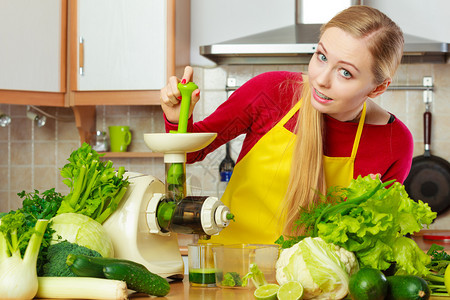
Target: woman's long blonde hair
x=307, y=178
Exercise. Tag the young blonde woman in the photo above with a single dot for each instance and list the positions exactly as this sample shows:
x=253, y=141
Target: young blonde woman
x=307, y=133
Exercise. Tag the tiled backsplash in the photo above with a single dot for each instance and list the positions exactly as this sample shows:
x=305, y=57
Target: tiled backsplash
x=31, y=157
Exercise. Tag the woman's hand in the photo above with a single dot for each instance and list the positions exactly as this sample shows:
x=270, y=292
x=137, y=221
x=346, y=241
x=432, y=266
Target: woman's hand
x=170, y=96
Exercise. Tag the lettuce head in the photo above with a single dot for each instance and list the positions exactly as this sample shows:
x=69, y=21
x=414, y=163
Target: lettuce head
x=322, y=268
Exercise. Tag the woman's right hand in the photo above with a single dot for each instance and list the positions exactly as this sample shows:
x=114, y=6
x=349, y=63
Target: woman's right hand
x=170, y=96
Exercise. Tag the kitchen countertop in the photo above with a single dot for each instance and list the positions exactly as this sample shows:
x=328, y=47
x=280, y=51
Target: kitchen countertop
x=182, y=289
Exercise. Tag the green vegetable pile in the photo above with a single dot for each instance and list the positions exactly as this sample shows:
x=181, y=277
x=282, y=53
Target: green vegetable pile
x=95, y=187
x=29, y=248
x=96, y=190
x=371, y=219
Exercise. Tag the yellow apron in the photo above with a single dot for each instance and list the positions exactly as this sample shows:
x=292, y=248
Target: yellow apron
x=259, y=183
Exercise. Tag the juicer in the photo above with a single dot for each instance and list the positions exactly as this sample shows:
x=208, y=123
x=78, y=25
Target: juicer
x=145, y=225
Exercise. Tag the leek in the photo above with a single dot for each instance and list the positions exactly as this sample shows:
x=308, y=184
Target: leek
x=81, y=288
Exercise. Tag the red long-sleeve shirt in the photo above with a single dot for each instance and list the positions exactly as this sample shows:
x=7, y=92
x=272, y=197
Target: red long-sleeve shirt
x=259, y=104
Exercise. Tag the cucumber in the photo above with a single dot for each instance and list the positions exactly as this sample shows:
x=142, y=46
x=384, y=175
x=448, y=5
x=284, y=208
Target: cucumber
x=407, y=287
x=137, y=279
x=88, y=266
x=368, y=284
x=136, y=275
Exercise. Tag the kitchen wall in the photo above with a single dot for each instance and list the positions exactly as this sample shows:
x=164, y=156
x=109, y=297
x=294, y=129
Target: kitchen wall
x=30, y=157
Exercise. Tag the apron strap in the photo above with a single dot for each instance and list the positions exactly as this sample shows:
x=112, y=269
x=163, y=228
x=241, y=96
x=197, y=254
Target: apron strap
x=359, y=131
x=290, y=113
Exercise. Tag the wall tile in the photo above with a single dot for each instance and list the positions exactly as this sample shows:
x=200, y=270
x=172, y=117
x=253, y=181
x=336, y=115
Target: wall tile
x=117, y=120
x=114, y=110
x=63, y=151
x=216, y=78
x=45, y=153
x=20, y=129
x=418, y=148
x=4, y=132
x=100, y=112
x=199, y=77
x=145, y=165
x=400, y=77
x=4, y=153
x=293, y=68
x=20, y=178
x=441, y=101
x=395, y=102
x=442, y=75
x=416, y=72
x=4, y=201
x=14, y=200
x=44, y=178
x=4, y=180
x=212, y=100
x=139, y=126
x=60, y=186
x=414, y=104
x=64, y=112
x=259, y=69
x=241, y=73
x=18, y=111
x=21, y=154
x=47, y=132
x=140, y=111
x=156, y=118
x=67, y=131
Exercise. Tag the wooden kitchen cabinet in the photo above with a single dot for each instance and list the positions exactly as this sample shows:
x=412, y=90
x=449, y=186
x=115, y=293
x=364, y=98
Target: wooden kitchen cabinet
x=122, y=52
x=103, y=52
x=121, y=45
x=33, y=52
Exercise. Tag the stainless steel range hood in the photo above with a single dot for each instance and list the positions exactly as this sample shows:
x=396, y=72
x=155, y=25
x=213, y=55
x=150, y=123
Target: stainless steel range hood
x=295, y=44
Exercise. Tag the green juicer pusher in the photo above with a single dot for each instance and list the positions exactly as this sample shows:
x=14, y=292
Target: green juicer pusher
x=176, y=174
x=186, y=93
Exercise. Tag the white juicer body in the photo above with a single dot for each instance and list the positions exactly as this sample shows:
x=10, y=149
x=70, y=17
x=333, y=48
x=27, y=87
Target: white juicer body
x=131, y=235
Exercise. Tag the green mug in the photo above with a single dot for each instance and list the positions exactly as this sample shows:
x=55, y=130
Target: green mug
x=120, y=138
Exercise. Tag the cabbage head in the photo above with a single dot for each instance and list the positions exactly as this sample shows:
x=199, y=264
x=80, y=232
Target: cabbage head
x=322, y=268
x=82, y=230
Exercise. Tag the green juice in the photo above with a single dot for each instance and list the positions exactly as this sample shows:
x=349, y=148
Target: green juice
x=202, y=276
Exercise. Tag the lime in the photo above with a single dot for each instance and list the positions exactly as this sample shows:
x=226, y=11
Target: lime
x=368, y=284
x=267, y=292
x=292, y=290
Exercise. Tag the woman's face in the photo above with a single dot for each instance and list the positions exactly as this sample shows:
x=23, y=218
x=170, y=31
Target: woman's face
x=340, y=75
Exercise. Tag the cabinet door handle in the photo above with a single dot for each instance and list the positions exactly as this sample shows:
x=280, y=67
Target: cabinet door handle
x=81, y=56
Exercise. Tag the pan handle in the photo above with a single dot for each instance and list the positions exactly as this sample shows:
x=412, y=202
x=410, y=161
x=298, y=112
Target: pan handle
x=427, y=132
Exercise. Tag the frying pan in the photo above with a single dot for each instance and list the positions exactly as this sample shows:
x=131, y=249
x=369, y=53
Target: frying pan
x=429, y=178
